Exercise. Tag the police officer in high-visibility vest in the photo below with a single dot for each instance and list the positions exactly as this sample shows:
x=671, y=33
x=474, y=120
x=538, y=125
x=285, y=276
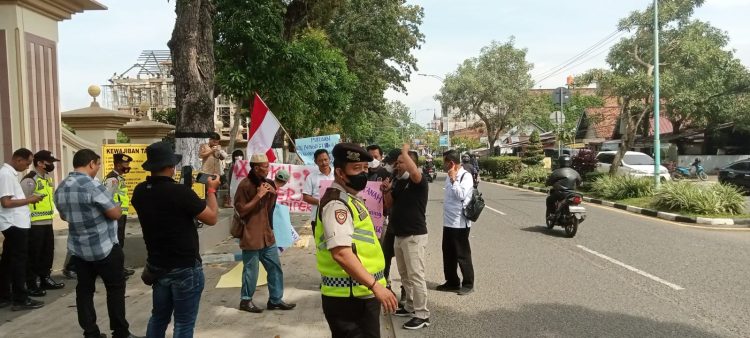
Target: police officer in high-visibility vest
x=349, y=257
x=41, y=247
x=115, y=184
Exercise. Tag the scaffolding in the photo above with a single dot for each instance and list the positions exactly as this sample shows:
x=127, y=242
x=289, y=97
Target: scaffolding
x=148, y=82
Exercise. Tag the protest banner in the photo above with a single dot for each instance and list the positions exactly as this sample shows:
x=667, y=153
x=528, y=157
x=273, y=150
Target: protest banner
x=290, y=195
x=282, y=227
x=306, y=147
x=373, y=198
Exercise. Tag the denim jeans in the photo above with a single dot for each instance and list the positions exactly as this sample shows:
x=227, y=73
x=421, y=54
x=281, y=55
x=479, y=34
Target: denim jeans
x=270, y=258
x=178, y=292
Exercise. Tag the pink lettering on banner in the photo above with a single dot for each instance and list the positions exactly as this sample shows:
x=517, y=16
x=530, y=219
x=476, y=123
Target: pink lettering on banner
x=290, y=195
x=373, y=198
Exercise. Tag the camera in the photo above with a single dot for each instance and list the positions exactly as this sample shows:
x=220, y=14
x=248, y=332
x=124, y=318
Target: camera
x=203, y=178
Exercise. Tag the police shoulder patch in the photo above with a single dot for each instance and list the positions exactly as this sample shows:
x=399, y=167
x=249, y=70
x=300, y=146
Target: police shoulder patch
x=341, y=216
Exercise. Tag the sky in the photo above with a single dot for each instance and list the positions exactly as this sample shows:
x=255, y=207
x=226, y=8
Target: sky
x=96, y=44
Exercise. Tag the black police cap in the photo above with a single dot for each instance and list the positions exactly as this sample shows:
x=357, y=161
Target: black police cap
x=350, y=152
x=122, y=157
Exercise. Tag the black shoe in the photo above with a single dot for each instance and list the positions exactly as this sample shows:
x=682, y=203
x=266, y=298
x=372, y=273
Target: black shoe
x=28, y=304
x=70, y=274
x=48, y=283
x=401, y=312
x=134, y=336
x=465, y=291
x=36, y=292
x=416, y=323
x=247, y=305
x=280, y=306
x=128, y=272
x=4, y=302
x=448, y=288
x=101, y=335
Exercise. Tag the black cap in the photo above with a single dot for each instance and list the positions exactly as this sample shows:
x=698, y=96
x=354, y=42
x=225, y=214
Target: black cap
x=44, y=155
x=349, y=153
x=122, y=158
x=160, y=155
x=392, y=156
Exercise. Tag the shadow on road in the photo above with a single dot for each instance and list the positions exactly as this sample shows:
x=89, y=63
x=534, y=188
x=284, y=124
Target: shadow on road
x=554, y=320
x=542, y=229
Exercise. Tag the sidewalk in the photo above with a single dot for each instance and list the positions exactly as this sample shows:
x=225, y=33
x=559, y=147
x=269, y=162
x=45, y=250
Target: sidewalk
x=218, y=315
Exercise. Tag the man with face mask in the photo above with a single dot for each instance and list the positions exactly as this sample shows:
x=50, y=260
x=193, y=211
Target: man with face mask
x=41, y=236
x=407, y=199
x=92, y=240
x=375, y=171
x=349, y=257
x=115, y=184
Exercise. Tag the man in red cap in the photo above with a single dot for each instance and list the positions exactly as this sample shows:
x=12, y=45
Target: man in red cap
x=41, y=236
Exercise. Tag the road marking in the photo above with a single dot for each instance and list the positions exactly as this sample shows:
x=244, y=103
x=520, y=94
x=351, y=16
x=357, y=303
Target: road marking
x=638, y=271
x=495, y=210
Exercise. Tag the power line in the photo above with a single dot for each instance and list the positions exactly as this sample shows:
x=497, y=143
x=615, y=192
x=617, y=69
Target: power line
x=579, y=55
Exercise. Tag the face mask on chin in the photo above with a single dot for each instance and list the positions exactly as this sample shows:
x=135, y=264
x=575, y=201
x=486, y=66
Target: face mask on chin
x=404, y=176
x=389, y=168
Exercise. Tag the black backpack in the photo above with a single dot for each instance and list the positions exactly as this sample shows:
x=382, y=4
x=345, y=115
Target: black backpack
x=475, y=206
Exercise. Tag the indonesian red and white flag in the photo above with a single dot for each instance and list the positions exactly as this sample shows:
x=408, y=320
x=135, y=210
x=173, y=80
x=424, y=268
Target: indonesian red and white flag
x=263, y=129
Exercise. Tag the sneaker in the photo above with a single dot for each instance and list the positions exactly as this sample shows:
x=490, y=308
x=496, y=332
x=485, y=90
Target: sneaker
x=28, y=304
x=401, y=312
x=70, y=274
x=445, y=287
x=465, y=291
x=416, y=323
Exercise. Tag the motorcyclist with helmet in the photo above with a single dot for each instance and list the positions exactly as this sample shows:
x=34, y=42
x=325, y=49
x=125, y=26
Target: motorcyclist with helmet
x=563, y=180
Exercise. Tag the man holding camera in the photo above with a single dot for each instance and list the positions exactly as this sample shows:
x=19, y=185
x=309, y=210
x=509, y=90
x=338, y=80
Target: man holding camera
x=174, y=269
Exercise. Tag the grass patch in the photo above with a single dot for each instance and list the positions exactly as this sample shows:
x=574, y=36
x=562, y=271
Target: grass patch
x=641, y=202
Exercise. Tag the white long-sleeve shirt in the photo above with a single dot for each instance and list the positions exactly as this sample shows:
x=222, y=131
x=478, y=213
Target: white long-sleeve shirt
x=457, y=196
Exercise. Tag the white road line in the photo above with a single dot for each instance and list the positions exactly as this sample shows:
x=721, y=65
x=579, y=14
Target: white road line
x=495, y=210
x=640, y=272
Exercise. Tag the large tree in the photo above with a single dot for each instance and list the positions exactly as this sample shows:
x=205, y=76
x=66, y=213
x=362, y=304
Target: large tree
x=700, y=77
x=493, y=86
x=192, y=49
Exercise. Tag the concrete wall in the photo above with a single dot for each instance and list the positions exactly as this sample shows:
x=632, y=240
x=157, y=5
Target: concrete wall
x=710, y=162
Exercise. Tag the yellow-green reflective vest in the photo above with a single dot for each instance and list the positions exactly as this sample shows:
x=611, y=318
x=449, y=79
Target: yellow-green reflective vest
x=335, y=281
x=44, y=209
x=121, y=193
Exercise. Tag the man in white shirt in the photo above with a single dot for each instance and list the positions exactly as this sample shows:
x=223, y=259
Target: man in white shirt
x=15, y=222
x=456, y=249
x=311, y=190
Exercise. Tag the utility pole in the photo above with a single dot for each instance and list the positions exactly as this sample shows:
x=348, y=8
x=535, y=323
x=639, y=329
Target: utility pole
x=559, y=125
x=657, y=100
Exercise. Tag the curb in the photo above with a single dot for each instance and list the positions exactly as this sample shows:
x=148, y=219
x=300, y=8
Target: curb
x=732, y=222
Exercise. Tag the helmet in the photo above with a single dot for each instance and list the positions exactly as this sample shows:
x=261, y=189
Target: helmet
x=563, y=161
x=465, y=158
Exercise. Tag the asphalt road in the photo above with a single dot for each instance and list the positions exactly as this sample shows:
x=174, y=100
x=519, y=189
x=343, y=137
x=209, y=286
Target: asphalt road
x=623, y=275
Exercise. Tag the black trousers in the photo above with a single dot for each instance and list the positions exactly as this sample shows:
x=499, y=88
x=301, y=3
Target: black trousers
x=121, y=230
x=13, y=264
x=352, y=317
x=41, y=252
x=389, y=239
x=110, y=269
x=553, y=197
x=457, y=254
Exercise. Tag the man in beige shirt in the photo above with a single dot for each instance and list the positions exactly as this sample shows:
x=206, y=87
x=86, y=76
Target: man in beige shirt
x=212, y=156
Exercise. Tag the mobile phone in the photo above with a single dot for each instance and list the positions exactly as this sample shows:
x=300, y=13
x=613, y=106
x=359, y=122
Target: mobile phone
x=203, y=178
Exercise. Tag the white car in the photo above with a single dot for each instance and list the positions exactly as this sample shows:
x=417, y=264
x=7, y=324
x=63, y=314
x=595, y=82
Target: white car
x=633, y=163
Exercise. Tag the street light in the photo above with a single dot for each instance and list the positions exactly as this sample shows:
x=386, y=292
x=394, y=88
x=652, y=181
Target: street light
x=432, y=75
x=657, y=103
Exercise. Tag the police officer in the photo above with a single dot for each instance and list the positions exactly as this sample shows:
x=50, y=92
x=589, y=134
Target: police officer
x=115, y=184
x=349, y=257
x=41, y=236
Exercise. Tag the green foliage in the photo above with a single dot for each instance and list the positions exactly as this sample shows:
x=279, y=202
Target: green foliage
x=529, y=175
x=464, y=143
x=687, y=197
x=534, y=153
x=121, y=138
x=396, y=127
x=573, y=111
x=168, y=116
x=584, y=162
x=622, y=187
x=500, y=166
x=593, y=176
x=493, y=86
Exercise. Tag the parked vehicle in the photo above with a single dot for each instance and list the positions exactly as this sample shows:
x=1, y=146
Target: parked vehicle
x=686, y=172
x=568, y=214
x=737, y=173
x=633, y=163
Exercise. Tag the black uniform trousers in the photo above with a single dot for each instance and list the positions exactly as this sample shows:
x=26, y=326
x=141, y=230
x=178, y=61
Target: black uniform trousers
x=121, y=222
x=351, y=317
x=13, y=264
x=457, y=254
x=41, y=251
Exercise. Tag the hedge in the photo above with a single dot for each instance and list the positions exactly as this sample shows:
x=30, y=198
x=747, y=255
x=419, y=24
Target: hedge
x=500, y=166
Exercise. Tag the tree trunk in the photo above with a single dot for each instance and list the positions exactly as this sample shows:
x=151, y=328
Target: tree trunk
x=192, y=48
x=632, y=122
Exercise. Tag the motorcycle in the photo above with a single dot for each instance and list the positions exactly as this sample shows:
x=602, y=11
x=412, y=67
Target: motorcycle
x=685, y=172
x=568, y=214
x=430, y=173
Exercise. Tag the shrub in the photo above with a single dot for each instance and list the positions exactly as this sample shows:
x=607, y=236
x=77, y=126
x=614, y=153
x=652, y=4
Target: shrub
x=584, y=162
x=529, y=175
x=534, y=153
x=593, y=176
x=500, y=166
x=702, y=200
x=622, y=187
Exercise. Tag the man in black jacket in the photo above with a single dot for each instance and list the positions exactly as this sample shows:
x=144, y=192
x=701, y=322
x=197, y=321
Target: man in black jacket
x=563, y=180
